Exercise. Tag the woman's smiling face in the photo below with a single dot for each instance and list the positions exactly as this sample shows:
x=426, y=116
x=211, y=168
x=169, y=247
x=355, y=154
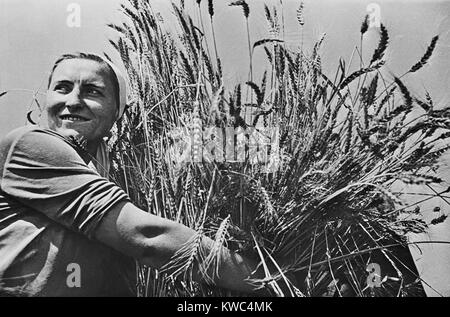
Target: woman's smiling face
x=81, y=99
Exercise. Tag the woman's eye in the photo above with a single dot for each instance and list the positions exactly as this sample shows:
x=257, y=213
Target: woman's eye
x=63, y=88
x=94, y=92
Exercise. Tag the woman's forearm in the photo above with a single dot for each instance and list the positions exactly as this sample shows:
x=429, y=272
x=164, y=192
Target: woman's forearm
x=153, y=241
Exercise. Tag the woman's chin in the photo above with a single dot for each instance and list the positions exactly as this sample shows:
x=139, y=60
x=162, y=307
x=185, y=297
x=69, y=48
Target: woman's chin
x=70, y=133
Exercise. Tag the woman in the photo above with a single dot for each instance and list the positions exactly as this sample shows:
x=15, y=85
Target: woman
x=57, y=214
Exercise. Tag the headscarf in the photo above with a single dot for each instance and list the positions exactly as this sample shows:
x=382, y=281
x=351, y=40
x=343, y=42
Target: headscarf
x=101, y=162
x=122, y=87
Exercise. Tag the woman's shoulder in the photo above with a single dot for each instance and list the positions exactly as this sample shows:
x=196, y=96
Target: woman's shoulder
x=34, y=133
x=33, y=139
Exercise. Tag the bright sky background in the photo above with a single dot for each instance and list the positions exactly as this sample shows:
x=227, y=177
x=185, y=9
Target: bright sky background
x=33, y=33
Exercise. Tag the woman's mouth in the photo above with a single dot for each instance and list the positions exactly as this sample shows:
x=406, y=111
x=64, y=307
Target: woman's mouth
x=72, y=117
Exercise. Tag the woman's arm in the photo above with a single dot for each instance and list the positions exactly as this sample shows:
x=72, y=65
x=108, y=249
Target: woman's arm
x=153, y=240
x=42, y=171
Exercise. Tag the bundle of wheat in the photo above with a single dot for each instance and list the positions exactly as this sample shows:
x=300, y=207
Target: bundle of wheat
x=298, y=174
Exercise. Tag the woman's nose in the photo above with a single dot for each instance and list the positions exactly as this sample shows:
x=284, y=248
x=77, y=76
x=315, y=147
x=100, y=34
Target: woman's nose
x=74, y=100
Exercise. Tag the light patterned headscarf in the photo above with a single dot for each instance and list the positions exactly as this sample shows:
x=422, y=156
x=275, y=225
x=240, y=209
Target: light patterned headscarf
x=122, y=88
x=102, y=163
